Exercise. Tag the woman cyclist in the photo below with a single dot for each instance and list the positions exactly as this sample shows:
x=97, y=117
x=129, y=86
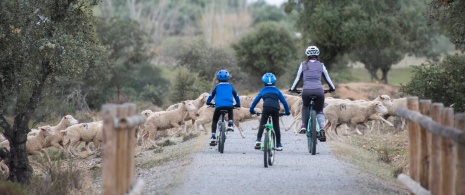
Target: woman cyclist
x=310, y=71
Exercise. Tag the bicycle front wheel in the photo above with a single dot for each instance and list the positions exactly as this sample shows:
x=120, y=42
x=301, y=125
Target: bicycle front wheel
x=272, y=148
x=265, y=150
x=222, y=138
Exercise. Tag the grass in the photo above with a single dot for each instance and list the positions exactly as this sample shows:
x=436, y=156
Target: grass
x=378, y=153
x=59, y=177
x=170, y=152
x=396, y=76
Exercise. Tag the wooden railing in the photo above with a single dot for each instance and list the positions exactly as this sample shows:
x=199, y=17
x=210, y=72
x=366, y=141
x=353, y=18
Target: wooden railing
x=436, y=148
x=119, y=141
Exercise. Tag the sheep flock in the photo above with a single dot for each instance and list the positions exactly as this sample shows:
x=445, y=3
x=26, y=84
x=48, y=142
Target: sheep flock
x=193, y=116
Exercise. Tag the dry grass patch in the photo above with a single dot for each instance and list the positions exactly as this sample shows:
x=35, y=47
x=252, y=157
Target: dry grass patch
x=169, y=150
x=380, y=154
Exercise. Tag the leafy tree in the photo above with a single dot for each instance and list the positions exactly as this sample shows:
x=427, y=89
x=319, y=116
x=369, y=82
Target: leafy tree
x=200, y=58
x=262, y=12
x=185, y=85
x=449, y=14
x=442, y=82
x=363, y=30
x=41, y=42
x=128, y=46
x=269, y=48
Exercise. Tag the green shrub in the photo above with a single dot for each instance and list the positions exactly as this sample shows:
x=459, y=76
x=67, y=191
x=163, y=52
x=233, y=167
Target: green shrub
x=441, y=82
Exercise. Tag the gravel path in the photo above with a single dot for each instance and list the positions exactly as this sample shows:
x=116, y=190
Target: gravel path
x=239, y=170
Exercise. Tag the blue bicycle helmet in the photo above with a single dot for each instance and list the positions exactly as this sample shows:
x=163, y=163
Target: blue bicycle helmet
x=222, y=75
x=269, y=79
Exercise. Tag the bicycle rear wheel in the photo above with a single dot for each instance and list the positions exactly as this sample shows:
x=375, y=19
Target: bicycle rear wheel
x=265, y=150
x=311, y=133
x=222, y=138
x=272, y=148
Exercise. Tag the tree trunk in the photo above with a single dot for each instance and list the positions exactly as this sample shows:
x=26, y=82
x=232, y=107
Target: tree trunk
x=385, y=72
x=20, y=170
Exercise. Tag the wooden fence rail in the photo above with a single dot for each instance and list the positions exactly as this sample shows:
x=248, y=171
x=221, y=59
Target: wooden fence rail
x=436, y=148
x=119, y=141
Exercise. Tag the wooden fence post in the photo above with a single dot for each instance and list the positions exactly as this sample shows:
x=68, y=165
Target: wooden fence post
x=434, y=155
x=422, y=149
x=119, y=124
x=447, y=157
x=109, y=149
x=459, y=150
x=412, y=104
x=131, y=134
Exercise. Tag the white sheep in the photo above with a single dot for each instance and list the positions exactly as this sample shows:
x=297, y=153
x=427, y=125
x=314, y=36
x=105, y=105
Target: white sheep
x=33, y=132
x=57, y=138
x=205, y=115
x=4, y=170
x=198, y=103
x=392, y=105
x=351, y=114
x=36, y=144
x=166, y=120
x=83, y=132
x=2, y=137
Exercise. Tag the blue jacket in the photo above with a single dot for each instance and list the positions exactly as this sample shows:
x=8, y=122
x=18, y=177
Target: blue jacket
x=223, y=94
x=271, y=97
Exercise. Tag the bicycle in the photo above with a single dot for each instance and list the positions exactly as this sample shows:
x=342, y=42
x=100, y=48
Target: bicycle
x=313, y=128
x=221, y=138
x=268, y=146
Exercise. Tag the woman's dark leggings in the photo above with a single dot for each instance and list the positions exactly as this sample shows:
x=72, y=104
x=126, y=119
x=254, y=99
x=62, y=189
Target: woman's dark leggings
x=217, y=114
x=319, y=103
x=274, y=113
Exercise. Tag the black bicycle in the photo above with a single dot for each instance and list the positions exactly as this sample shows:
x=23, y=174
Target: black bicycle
x=269, y=145
x=221, y=138
x=313, y=128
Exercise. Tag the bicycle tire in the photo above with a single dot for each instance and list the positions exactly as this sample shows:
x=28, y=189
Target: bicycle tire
x=272, y=150
x=265, y=150
x=313, y=132
x=222, y=138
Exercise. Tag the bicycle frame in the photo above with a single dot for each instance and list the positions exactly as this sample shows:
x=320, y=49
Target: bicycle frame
x=269, y=129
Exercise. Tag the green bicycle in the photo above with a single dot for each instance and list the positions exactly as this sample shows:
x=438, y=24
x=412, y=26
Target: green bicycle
x=313, y=128
x=268, y=146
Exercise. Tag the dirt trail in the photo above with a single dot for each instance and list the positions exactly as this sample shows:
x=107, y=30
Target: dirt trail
x=240, y=170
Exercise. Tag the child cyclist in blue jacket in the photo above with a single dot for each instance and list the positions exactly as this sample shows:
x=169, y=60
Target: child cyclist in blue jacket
x=271, y=97
x=223, y=94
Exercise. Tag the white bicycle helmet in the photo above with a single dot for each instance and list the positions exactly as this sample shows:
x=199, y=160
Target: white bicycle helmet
x=312, y=51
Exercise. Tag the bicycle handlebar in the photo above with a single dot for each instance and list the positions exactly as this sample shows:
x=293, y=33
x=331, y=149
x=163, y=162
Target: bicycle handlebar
x=280, y=114
x=213, y=105
x=300, y=91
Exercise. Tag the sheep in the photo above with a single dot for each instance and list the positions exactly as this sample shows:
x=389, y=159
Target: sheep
x=33, y=132
x=36, y=144
x=5, y=144
x=352, y=114
x=86, y=132
x=166, y=120
x=205, y=115
x=4, y=170
x=392, y=106
x=54, y=140
x=2, y=137
x=199, y=102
